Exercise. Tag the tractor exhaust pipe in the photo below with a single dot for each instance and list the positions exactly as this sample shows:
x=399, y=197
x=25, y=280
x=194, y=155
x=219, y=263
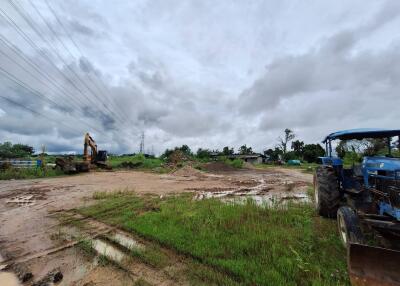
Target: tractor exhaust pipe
x=373, y=266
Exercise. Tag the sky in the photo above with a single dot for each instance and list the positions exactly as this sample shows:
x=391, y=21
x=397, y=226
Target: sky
x=203, y=73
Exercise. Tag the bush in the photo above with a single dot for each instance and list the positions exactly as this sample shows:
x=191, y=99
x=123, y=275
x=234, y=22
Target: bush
x=237, y=163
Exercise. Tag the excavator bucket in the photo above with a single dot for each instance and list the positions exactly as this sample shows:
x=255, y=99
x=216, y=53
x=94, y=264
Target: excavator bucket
x=373, y=266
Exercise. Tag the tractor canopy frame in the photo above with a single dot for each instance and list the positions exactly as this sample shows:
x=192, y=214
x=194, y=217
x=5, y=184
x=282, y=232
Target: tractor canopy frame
x=360, y=134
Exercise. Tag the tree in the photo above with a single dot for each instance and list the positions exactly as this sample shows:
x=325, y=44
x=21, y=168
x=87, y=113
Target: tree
x=273, y=154
x=288, y=136
x=203, y=153
x=227, y=151
x=244, y=150
x=341, y=149
x=311, y=152
x=186, y=150
x=297, y=147
x=8, y=150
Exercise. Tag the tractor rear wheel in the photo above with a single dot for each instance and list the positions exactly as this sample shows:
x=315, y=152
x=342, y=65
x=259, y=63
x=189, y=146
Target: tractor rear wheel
x=349, y=226
x=326, y=192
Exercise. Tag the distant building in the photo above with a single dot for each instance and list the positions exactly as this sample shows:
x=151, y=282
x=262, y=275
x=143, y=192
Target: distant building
x=255, y=158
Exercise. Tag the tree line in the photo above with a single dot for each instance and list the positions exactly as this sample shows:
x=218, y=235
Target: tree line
x=10, y=151
x=286, y=149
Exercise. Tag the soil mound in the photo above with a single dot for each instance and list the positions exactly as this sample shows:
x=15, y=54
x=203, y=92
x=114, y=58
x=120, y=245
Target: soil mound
x=188, y=171
x=218, y=167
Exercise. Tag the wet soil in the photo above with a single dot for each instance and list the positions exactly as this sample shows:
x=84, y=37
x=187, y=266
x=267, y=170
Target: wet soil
x=33, y=241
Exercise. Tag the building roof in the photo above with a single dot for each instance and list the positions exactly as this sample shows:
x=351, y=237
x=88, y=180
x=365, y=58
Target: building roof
x=362, y=133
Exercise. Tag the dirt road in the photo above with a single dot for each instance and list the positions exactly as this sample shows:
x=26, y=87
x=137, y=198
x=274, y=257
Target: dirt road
x=28, y=227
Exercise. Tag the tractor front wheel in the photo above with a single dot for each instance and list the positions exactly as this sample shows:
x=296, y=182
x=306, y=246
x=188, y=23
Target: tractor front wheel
x=326, y=192
x=349, y=226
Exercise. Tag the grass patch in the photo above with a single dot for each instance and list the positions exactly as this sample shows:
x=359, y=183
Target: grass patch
x=305, y=167
x=151, y=255
x=139, y=161
x=86, y=246
x=106, y=195
x=249, y=244
x=236, y=163
x=203, y=275
x=142, y=282
x=28, y=173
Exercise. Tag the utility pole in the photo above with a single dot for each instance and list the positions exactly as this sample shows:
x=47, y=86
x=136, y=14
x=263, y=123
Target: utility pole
x=141, y=148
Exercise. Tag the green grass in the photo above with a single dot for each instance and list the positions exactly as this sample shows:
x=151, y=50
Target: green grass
x=236, y=163
x=141, y=282
x=250, y=244
x=305, y=167
x=140, y=160
x=151, y=255
x=28, y=173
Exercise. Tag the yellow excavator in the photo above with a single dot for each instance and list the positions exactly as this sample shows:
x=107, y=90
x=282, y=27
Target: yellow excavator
x=96, y=158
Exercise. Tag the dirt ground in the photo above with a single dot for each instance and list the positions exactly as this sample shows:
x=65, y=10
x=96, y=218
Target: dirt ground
x=29, y=224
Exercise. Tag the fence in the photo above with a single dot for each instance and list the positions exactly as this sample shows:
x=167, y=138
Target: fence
x=22, y=163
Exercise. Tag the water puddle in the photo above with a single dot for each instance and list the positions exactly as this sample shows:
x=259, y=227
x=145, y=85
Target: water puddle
x=109, y=251
x=263, y=194
x=126, y=241
x=8, y=279
x=269, y=199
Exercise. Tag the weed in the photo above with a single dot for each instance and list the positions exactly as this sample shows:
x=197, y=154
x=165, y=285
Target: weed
x=87, y=246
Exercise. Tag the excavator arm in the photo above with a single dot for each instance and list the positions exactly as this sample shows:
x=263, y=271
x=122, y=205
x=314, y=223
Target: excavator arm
x=89, y=142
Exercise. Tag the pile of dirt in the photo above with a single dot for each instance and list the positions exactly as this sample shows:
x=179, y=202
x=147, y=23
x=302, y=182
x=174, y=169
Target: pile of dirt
x=248, y=165
x=177, y=157
x=218, y=167
x=188, y=171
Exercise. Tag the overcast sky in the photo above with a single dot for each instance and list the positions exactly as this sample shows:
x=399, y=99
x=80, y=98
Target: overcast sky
x=202, y=73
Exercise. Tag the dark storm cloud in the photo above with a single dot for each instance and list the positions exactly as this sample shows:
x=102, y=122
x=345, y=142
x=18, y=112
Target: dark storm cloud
x=195, y=74
x=331, y=67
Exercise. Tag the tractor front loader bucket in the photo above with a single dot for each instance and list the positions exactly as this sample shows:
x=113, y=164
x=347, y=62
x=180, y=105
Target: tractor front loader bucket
x=373, y=266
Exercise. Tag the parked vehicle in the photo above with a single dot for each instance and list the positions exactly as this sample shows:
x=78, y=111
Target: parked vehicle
x=365, y=199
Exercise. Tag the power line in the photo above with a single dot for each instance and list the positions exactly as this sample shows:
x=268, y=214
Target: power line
x=81, y=54
x=27, y=38
x=31, y=22
x=51, y=80
x=38, y=94
x=31, y=110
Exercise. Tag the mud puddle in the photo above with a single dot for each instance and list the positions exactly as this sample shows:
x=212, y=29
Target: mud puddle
x=262, y=193
x=107, y=250
x=268, y=199
x=126, y=241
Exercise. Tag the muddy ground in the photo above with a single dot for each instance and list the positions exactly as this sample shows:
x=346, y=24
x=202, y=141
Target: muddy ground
x=30, y=233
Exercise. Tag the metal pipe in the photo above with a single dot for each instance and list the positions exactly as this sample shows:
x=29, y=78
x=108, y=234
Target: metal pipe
x=330, y=148
x=389, y=145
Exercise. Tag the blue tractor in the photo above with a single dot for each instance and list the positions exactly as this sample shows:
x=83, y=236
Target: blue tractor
x=365, y=200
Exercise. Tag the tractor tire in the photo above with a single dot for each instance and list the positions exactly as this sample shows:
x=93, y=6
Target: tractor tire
x=349, y=226
x=326, y=192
